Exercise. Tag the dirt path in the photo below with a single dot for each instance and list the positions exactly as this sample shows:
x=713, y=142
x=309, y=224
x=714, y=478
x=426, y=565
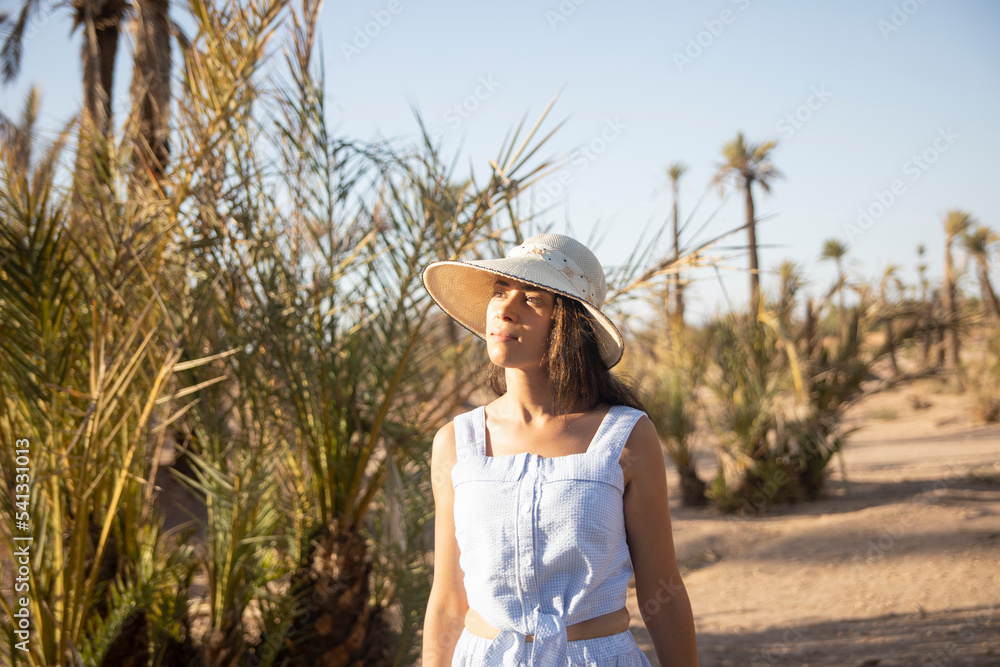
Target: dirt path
x=901, y=568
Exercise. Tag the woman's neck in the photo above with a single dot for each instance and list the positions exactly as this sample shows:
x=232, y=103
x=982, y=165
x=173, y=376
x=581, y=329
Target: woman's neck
x=529, y=396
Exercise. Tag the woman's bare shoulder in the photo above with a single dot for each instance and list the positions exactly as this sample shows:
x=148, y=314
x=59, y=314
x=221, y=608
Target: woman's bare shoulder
x=644, y=440
x=642, y=451
x=443, y=457
x=444, y=439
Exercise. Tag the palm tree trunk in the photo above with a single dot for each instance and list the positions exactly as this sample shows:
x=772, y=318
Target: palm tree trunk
x=990, y=306
x=924, y=330
x=151, y=87
x=692, y=487
x=336, y=624
x=101, y=27
x=100, y=46
x=752, y=249
x=950, y=312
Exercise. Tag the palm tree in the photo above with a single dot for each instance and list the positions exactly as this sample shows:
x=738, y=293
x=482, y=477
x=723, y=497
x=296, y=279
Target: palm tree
x=927, y=309
x=890, y=279
x=955, y=223
x=101, y=23
x=151, y=87
x=673, y=402
x=977, y=244
x=834, y=249
x=94, y=591
x=922, y=272
x=746, y=164
x=674, y=173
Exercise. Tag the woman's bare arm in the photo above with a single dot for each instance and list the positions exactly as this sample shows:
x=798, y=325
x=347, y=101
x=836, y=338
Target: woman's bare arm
x=663, y=599
x=447, y=604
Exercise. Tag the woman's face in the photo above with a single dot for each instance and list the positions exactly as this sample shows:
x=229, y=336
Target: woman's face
x=518, y=319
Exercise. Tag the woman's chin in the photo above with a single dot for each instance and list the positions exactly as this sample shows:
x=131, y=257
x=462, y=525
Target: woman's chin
x=500, y=360
x=509, y=356
x=510, y=364
x=498, y=353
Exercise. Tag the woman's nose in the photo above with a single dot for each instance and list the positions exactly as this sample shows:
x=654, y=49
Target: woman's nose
x=507, y=309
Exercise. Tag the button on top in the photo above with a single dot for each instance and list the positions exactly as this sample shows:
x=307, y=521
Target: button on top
x=526, y=509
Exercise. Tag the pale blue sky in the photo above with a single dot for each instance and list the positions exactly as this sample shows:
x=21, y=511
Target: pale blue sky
x=880, y=96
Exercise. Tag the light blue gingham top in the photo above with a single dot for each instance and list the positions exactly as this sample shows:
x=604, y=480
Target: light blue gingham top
x=542, y=543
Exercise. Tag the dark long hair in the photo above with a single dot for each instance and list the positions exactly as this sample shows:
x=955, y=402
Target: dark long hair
x=576, y=370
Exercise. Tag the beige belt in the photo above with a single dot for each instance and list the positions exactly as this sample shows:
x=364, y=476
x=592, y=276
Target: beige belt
x=599, y=626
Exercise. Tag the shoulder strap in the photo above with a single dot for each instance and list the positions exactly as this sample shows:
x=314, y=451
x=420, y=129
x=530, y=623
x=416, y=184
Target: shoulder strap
x=615, y=430
x=470, y=433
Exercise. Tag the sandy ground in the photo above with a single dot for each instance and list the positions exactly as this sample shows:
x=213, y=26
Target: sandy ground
x=899, y=566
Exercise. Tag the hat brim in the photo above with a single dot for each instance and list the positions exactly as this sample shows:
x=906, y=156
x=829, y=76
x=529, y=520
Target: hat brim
x=463, y=290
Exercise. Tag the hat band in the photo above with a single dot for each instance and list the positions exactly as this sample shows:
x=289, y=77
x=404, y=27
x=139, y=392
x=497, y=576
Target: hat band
x=561, y=263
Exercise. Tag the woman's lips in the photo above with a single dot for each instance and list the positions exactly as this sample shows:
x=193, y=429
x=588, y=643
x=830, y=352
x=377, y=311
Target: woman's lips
x=501, y=336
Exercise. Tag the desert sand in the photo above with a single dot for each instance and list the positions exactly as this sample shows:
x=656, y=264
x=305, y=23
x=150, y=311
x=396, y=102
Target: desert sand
x=899, y=563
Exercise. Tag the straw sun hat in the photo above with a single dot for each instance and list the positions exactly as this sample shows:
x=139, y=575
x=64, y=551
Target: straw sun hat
x=553, y=262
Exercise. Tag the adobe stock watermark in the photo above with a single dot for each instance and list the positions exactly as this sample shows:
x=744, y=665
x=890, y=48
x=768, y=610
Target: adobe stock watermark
x=704, y=39
x=562, y=12
x=913, y=168
x=794, y=120
x=582, y=158
x=901, y=13
x=895, y=532
x=363, y=35
x=459, y=112
x=39, y=20
x=761, y=497
x=666, y=592
x=970, y=629
x=21, y=622
x=778, y=651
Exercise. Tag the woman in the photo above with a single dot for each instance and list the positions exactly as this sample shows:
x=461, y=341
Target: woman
x=549, y=498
